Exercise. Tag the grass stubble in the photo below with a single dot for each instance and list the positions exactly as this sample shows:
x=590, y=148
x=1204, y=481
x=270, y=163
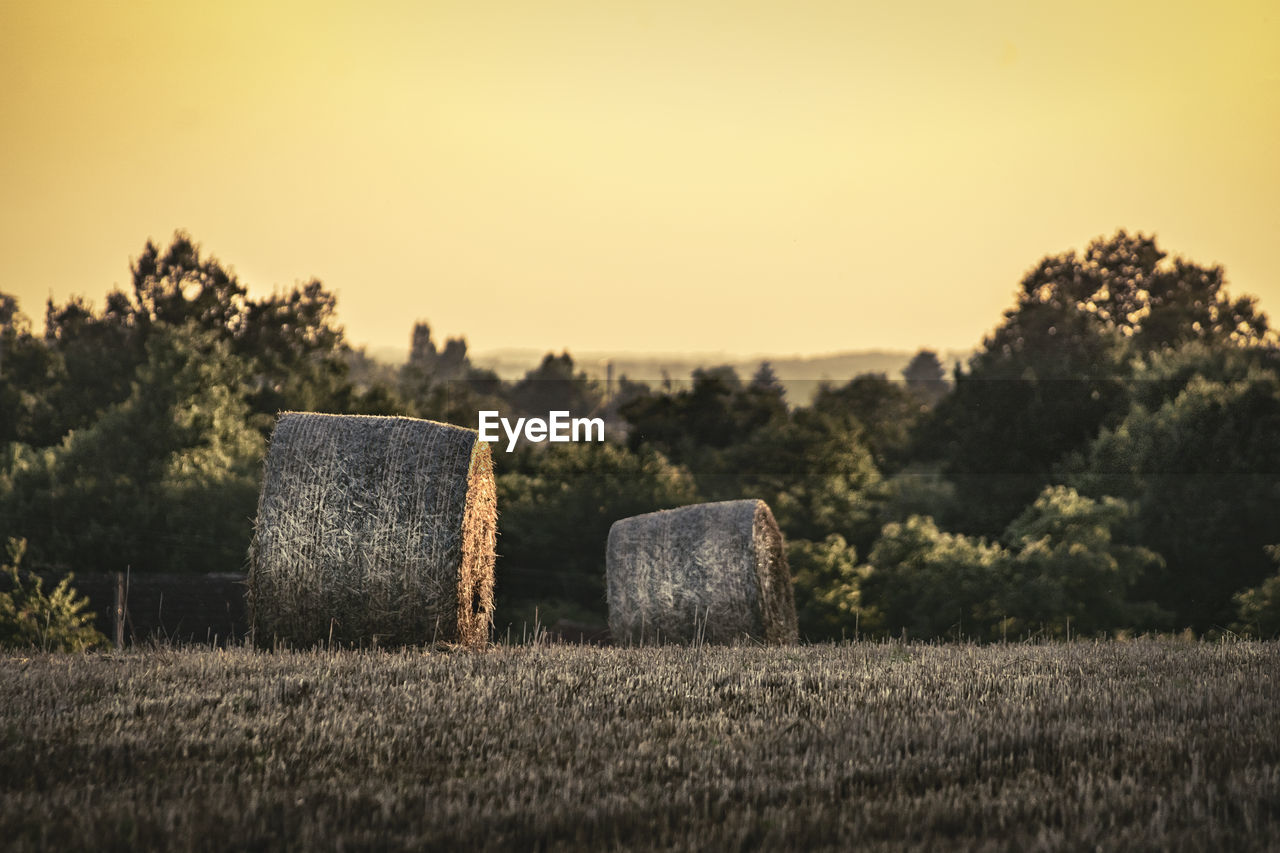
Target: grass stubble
x=1118, y=745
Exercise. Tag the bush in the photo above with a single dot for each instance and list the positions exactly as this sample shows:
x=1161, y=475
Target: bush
x=825, y=576
x=1258, y=608
x=1059, y=569
x=931, y=583
x=57, y=622
x=1068, y=574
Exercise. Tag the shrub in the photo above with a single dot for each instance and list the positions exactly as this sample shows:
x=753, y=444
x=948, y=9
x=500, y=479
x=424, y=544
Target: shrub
x=1258, y=608
x=57, y=622
x=931, y=583
x=1059, y=569
x=826, y=587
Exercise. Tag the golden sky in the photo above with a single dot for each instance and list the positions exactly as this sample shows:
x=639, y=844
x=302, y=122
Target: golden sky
x=782, y=177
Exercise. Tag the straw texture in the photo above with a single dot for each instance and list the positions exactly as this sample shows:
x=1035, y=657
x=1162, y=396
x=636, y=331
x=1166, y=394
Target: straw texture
x=373, y=530
x=713, y=571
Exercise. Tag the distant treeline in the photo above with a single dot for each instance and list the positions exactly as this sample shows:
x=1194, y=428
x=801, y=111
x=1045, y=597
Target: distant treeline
x=800, y=376
x=1107, y=460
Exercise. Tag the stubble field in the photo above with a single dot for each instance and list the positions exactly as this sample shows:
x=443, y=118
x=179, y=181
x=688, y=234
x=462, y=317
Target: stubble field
x=1124, y=745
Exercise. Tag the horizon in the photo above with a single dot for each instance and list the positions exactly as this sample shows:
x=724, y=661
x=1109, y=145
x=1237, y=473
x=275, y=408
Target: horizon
x=682, y=177
x=693, y=355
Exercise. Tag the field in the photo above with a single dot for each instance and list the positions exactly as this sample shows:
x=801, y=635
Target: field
x=1121, y=745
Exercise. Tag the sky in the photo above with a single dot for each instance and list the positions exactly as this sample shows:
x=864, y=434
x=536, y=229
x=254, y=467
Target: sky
x=792, y=177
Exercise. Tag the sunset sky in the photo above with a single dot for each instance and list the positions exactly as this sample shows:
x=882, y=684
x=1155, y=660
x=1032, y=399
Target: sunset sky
x=742, y=177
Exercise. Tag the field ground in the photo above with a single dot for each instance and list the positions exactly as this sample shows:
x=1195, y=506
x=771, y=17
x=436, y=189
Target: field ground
x=1121, y=745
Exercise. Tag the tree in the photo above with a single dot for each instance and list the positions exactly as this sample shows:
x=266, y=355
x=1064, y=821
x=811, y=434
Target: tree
x=443, y=385
x=165, y=480
x=12, y=324
x=1044, y=385
x=554, y=386
x=291, y=341
x=925, y=377
x=1203, y=468
x=180, y=287
x=930, y=583
x=1127, y=283
x=296, y=352
x=716, y=427
x=1060, y=566
x=447, y=365
x=685, y=422
x=814, y=472
x=27, y=371
x=558, y=503
x=93, y=358
x=1056, y=370
x=885, y=412
x=740, y=441
x=1067, y=571
x=762, y=401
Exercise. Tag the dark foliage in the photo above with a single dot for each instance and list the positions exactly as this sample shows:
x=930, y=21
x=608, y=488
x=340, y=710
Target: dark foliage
x=1058, y=368
x=556, y=505
x=131, y=436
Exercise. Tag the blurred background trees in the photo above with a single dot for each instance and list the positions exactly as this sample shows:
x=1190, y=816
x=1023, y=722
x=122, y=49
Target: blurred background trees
x=1108, y=459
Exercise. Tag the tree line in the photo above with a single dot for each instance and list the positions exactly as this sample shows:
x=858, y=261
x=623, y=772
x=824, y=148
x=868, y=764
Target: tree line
x=1108, y=459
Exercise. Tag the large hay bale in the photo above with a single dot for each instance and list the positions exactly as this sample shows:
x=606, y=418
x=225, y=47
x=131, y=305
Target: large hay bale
x=715, y=570
x=373, y=530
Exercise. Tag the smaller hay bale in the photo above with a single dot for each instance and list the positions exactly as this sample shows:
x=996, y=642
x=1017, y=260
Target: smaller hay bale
x=715, y=570
x=373, y=530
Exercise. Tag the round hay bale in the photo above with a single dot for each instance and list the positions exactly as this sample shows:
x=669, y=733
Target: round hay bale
x=715, y=570
x=373, y=530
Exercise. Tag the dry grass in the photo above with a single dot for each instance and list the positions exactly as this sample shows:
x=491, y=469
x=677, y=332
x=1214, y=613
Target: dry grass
x=1117, y=746
x=373, y=530
x=713, y=571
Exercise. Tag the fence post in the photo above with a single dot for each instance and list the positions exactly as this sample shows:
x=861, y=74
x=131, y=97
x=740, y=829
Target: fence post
x=119, y=611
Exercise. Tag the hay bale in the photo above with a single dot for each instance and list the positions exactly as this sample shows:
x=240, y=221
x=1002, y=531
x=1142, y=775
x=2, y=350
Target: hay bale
x=380, y=529
x=718, y=569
